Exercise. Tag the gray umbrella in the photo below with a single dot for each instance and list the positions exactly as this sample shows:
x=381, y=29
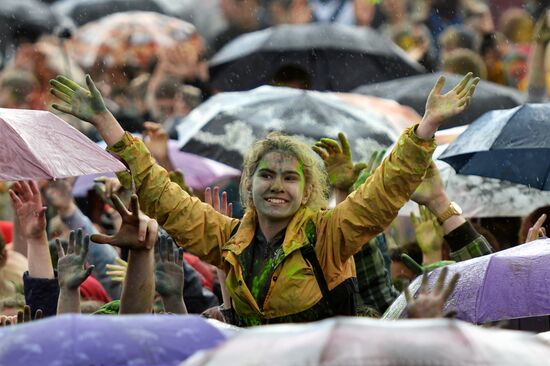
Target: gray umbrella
x=227, y=125
x=412, y=91
x=84, y=11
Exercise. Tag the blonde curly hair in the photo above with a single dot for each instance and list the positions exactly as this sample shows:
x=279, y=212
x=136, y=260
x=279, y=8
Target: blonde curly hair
x=315, y=173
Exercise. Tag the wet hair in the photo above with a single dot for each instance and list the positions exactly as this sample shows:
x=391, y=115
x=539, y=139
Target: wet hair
x=314, y=172
x=191, y=95
x=167, y=89
x=288, y=74
x=517, y=25
x=459, y=37
x=462, y=61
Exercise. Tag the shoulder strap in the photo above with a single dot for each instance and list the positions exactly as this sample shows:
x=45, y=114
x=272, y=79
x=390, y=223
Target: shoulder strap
x=308, y=252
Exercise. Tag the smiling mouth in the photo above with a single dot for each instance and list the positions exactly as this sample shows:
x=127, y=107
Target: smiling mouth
x=276, y=201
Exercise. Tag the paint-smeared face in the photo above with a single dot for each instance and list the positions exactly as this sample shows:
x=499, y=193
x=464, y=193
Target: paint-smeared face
x=278, y=186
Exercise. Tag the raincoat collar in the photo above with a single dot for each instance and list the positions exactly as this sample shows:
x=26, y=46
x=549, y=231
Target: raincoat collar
x=295, y=236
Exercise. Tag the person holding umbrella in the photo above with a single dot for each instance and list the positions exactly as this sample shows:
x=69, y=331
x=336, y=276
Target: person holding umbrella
x=289, y=259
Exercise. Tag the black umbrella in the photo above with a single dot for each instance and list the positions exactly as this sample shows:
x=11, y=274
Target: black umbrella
x=227, y=125
x=512, y=144
x=413, y=91
x=23, y=20
x=338, y=57
x=84, y=11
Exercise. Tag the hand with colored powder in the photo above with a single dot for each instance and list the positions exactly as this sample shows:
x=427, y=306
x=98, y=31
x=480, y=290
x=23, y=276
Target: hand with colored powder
x=88, y=105
x=71, y=265
x=342, y=173
x=430, y=304
x=429, y=234
x=169, y=275
x=72, y=271
x=137, y=232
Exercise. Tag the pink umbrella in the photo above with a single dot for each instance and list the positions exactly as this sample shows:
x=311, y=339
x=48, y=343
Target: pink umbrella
x=40, y=145
x=199, y=172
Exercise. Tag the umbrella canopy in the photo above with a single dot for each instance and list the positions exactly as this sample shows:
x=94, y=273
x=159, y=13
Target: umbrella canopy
x=508, y=144
x=199, y=172
x=84, y=11
x=413, y=91
x=339, y=57
x=227, y=125
x=131, y=38
x=76, y=340
x=510, y=284
x=23, y=19
x=40, y=145
x=362, y=341
x=481, y=196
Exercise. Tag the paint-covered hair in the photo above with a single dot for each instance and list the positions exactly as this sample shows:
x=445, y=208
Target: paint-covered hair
x=314, y=171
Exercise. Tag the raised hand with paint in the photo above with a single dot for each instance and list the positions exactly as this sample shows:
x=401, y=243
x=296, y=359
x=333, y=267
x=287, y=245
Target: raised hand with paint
x=289, y=259
x=138, y=233
x=86, y=104
x=71, y=271
x=169, y=276
x=342, y=173
x=430, y=304
x=429, y=234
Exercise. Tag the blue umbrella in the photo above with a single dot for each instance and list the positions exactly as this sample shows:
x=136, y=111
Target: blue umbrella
x=74, y=340
x=511, y=144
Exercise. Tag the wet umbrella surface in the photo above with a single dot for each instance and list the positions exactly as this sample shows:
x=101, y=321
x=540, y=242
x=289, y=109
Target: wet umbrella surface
x=337, y=57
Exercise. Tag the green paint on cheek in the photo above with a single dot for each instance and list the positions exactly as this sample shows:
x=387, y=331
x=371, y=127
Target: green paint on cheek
x=302, y=178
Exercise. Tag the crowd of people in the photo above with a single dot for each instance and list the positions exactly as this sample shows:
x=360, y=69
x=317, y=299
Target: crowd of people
x=311, y=233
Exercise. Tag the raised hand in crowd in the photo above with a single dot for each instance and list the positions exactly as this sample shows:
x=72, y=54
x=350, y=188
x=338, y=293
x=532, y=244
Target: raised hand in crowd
x=88, y=105
x=429, y=234
x=117, y=272
x=430, y=304
x=138, y=233
x=440, y=107
x=23, y=316
x=31, y=217
x=212, y=198
x=431, y=194
x=342, y=173
x=72, y=271
x=169, y=277
x=156, y=140
x=537, y=231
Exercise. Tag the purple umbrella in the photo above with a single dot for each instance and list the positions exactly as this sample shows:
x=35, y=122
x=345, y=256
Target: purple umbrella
x=511, y=284
x=199, y=172
x=40, y=145
x=152, y=340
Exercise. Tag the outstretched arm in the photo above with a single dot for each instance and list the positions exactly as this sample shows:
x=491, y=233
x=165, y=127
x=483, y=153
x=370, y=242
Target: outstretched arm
x=32, y=220
x=190, y=222
x=71, y=272
x=138, y=233
x=372, y=207
x=88, y=105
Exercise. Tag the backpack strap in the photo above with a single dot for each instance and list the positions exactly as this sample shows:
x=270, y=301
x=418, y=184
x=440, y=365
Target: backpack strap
x=308, y=253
